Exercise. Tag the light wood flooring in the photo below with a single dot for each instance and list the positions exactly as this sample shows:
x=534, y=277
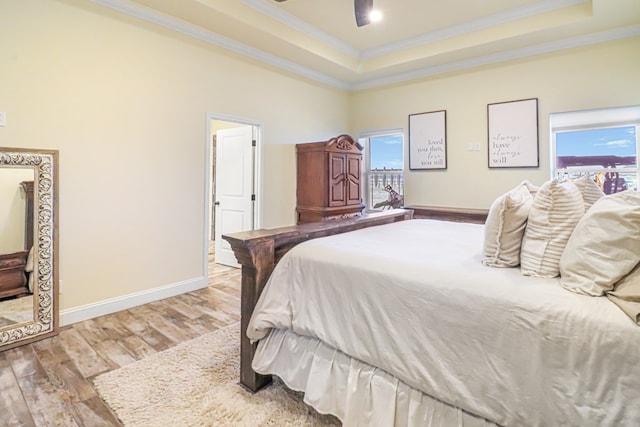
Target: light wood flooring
x=49, y=382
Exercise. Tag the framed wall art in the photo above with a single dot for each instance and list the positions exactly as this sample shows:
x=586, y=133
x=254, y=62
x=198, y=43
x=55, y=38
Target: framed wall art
x=513, y=134
x=428, y=140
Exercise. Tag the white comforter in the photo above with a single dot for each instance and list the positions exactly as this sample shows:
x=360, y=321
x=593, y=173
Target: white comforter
x=413, y=299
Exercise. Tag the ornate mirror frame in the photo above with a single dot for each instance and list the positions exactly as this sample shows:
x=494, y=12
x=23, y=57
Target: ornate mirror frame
x=45, y=243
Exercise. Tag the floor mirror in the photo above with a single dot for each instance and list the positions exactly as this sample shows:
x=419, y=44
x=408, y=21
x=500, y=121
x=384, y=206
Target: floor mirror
x=28, y=245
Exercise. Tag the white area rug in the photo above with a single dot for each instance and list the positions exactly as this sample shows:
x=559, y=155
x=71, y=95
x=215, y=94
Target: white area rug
x=196, y=384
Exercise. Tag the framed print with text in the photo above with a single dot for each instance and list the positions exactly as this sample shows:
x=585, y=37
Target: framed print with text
x=513, y=134
x=428, y=140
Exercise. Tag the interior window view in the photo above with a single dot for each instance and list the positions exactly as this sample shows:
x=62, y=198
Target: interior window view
x=358, y=213
x=602, y=144
x=385, y=180
x=608, y=155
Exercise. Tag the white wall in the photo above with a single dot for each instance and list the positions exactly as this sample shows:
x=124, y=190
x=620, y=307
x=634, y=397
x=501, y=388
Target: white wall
x=126, y=104
x=598, y=76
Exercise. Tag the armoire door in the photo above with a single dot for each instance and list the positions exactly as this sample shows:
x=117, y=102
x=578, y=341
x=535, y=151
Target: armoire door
x=354, y=196
x=337, y=178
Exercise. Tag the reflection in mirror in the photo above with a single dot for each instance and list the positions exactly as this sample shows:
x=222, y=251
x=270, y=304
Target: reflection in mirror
x=16, y=244
x=28, y=245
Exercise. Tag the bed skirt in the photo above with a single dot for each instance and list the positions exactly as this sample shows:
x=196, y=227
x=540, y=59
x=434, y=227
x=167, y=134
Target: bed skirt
x=355, y=392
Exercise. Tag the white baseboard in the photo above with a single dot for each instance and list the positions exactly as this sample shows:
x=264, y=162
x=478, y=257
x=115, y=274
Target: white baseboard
x=112, y=305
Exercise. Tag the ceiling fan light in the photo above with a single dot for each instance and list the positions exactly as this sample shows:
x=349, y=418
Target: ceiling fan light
x=375, y=16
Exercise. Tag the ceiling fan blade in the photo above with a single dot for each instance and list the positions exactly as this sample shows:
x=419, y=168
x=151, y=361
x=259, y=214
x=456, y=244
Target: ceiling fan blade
x=362, y=9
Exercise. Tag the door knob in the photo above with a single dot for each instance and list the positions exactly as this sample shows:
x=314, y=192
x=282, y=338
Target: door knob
x=217, y=203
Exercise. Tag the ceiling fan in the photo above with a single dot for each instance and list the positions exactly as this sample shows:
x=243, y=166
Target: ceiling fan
x=362, y=10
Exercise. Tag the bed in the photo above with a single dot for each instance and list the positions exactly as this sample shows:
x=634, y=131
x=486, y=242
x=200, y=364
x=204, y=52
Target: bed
x=389, y=320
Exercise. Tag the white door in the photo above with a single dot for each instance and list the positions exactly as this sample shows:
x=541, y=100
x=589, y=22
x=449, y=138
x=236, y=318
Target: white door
x=234, y=188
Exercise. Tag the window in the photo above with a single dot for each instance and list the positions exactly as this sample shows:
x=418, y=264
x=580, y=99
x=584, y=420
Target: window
x=601, y=143
x=384, y=166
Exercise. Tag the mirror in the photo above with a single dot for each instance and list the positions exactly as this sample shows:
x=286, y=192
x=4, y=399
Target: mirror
x=16, y=244
x=28, y=245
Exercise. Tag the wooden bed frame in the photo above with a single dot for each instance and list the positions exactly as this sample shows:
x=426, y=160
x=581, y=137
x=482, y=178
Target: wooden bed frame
x=259, y=251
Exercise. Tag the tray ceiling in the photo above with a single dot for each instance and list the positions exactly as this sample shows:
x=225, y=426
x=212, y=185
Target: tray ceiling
x=319, y=39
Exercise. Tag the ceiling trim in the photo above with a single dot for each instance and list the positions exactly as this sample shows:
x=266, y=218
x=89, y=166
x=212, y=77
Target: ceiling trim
x=180, y=26
x=558, y=45
x=468, y=27
x=537, y=8
x=285, y=17
x=174, y=24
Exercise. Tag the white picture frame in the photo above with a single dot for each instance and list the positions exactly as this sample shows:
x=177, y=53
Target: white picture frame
x=428, y=140
x=513, y=134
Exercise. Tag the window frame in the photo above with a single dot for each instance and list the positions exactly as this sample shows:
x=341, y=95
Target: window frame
x=592, y=120
x=367, y=171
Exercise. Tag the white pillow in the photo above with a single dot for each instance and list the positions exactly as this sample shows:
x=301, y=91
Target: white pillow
x=590, y=191
x=504, y=227
x=605, y=245
x=533, y=189
x=554, y=213
x=626, y=294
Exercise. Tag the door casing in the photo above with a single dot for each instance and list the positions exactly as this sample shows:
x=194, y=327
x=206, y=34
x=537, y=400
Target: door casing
x=257, y=176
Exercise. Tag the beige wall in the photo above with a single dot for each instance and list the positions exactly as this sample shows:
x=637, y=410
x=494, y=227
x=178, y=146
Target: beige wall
x=12, y=208
x=126, y=104
x=604, y=75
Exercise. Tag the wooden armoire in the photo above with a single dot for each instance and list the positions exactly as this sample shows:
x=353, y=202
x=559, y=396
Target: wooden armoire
x=329, y=175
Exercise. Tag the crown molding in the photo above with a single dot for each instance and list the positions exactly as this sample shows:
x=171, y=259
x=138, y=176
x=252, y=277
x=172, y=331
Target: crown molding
x=537, y=8
x=555, y=46
x=147, y=14
x=288, y=19
x=174, y=24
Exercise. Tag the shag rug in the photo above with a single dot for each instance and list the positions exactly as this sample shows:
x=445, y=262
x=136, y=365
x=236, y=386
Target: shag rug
x=196, y=384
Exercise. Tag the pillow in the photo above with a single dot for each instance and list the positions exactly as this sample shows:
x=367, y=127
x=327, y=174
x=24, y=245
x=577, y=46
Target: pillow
x=627, y=294
x=29, y=270
x=29, y=265
x=533, y=189
x=605, y=245
x=504, y=227
x=554, y=213
x=590, y=191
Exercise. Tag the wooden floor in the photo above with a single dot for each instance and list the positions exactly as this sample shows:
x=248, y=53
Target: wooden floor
x=49, y=383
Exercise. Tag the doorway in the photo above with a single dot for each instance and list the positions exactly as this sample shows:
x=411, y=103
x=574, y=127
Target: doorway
x=232, y=184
